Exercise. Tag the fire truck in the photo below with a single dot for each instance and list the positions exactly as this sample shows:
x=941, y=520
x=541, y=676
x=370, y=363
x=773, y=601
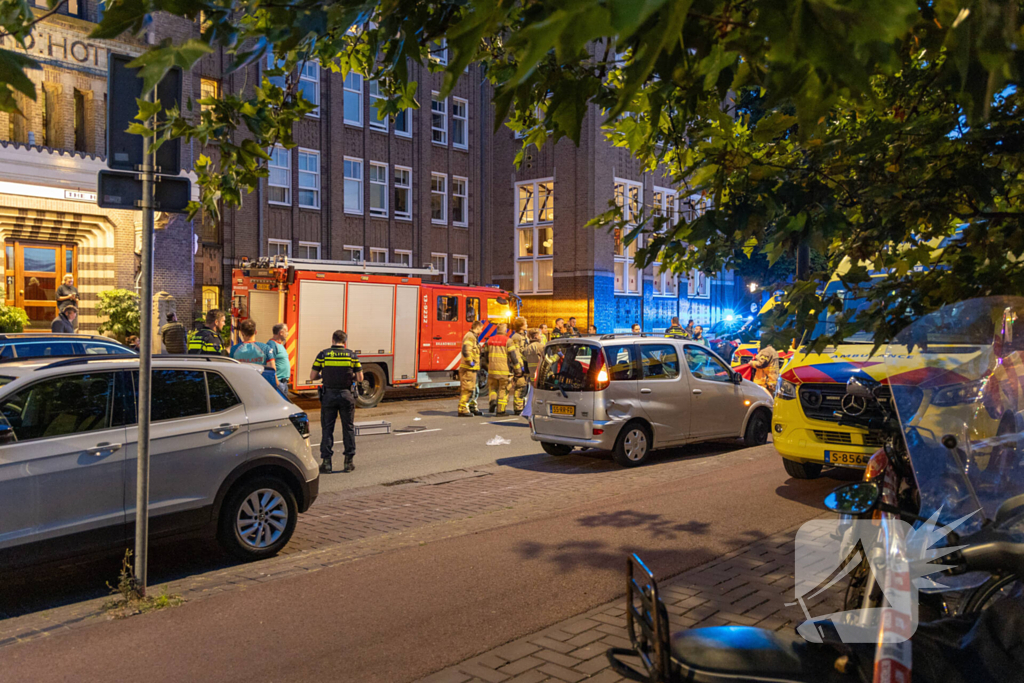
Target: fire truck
x=407, y=332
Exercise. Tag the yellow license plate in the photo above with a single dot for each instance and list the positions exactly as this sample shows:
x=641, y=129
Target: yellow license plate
x=263, y=285
x=564, y=410
x=854, y=459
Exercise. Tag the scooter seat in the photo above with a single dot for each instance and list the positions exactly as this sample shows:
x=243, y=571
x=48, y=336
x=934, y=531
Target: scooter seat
x=743, y=653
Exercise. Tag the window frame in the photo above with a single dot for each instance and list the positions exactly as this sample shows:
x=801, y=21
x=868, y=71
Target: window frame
x=698, y=348
x=204, y=81
x=298, y=157
x=403, y=252
x=444, y=271
x=464, y=223
x=405, y=216
x=443, y=113
x=404, y=133
x=354, y=248
x=359, y=93
x=449, y=298
x=438, y=55
x=457, y=101
x=443, y=220
x=476, y=310
x=346, y=179
x=287, y=244
x=112, y=406
x=536, y=222
x=378, y=213
x=663, y=202
x=378, y=250
x=304, y=78
x=632, y=208
x=464, y=260
x=379, y=125
x=288, y=168
x=643, y=365
x=308, y=245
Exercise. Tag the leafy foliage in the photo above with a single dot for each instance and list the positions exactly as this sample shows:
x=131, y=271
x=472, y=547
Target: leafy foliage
x=12, y=318
x=120, y=307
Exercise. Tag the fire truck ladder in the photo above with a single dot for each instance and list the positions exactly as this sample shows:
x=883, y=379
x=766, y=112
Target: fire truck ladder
x=395, y=269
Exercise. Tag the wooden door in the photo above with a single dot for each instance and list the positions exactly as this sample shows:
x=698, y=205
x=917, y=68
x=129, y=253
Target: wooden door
x=39, y=268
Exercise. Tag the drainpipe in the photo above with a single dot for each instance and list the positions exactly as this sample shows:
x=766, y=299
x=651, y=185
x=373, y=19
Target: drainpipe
x=482, y=125
x=259, y=189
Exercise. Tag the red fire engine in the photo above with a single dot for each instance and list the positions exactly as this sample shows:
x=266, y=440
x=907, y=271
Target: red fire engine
x=408, y=333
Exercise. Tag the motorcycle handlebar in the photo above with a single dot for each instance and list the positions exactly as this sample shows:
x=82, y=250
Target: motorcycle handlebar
x=993, y=556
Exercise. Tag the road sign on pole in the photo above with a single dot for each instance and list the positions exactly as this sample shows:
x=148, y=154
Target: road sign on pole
x=124, y=87
x=122, y=190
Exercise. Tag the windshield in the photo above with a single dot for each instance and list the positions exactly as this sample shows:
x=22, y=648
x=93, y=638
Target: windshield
x=827, y=321
x=965, y=437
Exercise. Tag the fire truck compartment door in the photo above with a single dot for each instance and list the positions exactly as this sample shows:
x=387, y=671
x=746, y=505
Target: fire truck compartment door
x=263, y=311
x=321, y=312
x=406, y=325
x=371, y=310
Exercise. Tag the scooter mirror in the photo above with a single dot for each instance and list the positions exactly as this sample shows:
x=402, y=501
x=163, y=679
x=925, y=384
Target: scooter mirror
x=854, y=499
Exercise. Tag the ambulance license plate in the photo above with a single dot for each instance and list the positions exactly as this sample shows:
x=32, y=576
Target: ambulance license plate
x=851, y=459
x=264, y=285
x=564, y=410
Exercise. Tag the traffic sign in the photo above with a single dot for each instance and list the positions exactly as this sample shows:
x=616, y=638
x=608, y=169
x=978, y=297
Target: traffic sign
x=121, y=190
x=124, y=87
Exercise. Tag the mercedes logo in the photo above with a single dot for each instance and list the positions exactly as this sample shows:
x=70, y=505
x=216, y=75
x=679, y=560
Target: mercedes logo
x=854, y=405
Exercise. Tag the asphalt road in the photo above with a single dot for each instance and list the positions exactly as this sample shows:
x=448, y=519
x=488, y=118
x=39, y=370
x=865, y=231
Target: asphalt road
x=404, y=613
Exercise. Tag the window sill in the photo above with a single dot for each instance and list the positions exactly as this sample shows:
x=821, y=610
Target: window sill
x=464, y=226
x=440, y=144
x=399, y=134
x=461, y=148
x=378, y=129
x=272, y=203
x=354, y=124
x=353, y=213
x=403, y=218
x=534, y=293
x=309, y=208
x=618, y=293
x=379, y=215
x=439, y=223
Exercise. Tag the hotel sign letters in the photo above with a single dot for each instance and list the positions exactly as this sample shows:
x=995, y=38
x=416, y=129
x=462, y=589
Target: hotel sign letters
x=64, y=46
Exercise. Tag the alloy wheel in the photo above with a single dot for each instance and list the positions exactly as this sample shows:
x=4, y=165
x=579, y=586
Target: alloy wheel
x=635, y=444
x=262, y=518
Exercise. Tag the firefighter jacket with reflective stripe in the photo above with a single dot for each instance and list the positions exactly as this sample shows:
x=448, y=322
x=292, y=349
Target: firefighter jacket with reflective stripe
x=497, y=356
x=337, y=367
x=532, y=355
x=470, y=352
x=676, y=332
x=205, y=341
x=517, y=353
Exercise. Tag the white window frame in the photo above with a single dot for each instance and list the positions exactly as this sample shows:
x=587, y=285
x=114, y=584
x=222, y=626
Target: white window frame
x=533, y=219
x=443, y=271
x=314, y=153
x=286, y=243
x=374, y=251
x=305, y=77
x=379, y=213
x=288, y=168
x=353, y=248
x=663, y=202
x=698, y=285
x=403, y=261
x=359, y=92
x=443, y=112
x=408, y=122
x=464, y=223
x=359, y=180
x=462, y=259
x=443, y=220
x=631, y=198
x=279, y=81
x=379, y=125
x=456, y=102
x=439, y=51
x=309, y=245
x=407, y=216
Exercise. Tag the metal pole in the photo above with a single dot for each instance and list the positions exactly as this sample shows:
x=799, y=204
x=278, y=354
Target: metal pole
x=145, y=369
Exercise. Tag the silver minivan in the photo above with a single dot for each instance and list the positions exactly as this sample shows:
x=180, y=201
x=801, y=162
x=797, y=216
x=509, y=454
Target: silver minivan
x=631, y=394
x=229, y=456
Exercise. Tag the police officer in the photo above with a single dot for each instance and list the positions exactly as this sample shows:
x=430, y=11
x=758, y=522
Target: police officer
x=339, y=368
x=468, y=369
x=206, y=340
x=517, y=385
x=676, y=331
x=560, y=330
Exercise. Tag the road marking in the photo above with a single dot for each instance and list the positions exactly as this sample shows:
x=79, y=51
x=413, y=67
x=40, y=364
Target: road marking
x=511, y=419
x=422, y=431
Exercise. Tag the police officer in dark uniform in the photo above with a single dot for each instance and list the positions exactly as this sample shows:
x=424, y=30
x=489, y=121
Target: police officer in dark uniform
x=206, y=340
x=339, y=367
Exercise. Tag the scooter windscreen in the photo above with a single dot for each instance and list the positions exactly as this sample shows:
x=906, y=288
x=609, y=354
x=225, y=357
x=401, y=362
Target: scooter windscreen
x=957, y=381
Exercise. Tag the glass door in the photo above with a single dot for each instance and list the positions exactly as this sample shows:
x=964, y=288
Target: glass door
x=38, y=269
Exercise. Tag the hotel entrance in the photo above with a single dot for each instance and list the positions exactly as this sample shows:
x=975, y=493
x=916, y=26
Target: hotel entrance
x=32, y=273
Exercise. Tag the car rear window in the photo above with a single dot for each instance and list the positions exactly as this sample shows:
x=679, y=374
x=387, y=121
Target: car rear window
x=569, y=367
x=5, y=380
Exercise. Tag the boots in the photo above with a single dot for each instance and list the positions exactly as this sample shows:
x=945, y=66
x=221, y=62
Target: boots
x=325, y=466
x=348, y=464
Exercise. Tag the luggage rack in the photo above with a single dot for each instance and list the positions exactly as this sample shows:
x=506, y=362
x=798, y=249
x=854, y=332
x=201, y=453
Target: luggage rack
x=367, y=267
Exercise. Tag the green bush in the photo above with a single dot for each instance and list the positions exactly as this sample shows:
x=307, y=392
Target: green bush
x=12, y=318
x=120, y=307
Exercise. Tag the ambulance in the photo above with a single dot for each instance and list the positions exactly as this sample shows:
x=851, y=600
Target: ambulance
x=407, y=332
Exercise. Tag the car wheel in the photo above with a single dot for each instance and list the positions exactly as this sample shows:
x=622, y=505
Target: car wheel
x=258, y=518
x=633, y=445
x=371, y=389
x=555, y=448
x=801, y=470
x=757, y=429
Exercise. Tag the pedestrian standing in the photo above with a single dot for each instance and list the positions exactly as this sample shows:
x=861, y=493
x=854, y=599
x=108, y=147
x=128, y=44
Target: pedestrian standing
x=64, y=323
x=560, y=330
x=251, y=351
x=676, y=331
x=545, y=333
x=206, y=340
x=518, y=366
x=468, y=369
x=173, y=335
x=67, y=295
x=339, y=368
x=592, y=330
x=636, y=328
x=689, y=329
x=571, y=329
x=276, y=344
x=698, y=335
x=497, y=370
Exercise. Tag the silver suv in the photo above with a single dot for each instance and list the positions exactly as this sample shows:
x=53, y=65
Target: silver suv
x=229, y=456
x=631, y=394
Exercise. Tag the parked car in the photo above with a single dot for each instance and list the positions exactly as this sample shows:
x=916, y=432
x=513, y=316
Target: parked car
x=35, y=344
x=631, y=395
x=229, y=456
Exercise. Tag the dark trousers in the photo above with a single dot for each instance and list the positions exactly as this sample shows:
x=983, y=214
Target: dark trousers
x=335, y=403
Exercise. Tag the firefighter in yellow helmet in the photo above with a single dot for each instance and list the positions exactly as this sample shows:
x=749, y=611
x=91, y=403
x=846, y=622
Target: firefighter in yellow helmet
x=468, y=369
x=517, y=385
x=496, y=355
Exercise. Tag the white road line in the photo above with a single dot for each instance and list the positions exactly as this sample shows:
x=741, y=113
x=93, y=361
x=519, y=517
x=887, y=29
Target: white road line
x=422, y=431
x=511, y=419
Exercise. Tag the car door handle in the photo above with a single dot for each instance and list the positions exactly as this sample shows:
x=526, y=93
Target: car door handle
x=100, y=449
x=698, y=392
x=645, y=391
x=225, y=429
x=437, y=337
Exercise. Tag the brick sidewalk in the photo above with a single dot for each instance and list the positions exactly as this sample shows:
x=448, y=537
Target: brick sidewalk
x=342, y=527
x=749, y=587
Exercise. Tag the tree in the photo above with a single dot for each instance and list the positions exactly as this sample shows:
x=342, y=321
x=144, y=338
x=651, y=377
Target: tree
x=881, y=126
x=121, y=309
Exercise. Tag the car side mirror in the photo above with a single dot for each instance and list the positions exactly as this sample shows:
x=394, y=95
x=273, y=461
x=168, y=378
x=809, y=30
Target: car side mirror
x=854, y=499
x=737, y=378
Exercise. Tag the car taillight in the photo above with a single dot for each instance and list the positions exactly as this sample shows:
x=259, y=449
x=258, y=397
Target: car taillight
x=301, y=422
x=601, y=383
x=876, y=465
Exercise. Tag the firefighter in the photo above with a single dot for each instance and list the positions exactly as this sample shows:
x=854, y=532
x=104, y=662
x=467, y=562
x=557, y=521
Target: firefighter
x=517, y=363
x=533, y=354
x=206, y=340
x=340, y=368
x=676, y=331
x=468, y=370
x=498, y=370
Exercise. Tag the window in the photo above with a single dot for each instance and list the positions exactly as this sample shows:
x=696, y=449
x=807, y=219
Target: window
x=628, y=279
x=222, y=396
x=704, y=365
x=308, y=250
x=659, y=362
x=60, y=406
x=439, y=51
x=460, y=123
x=438, y=119
x=438, y=198
x=447, y=309
x=279, y=182
x=440, y=263
x=309, y=84
x=663, y=203
x=460, y=269
x=177, y=394
x=472, y=309
x=569, y=367
x=375, y=95
x=353, y=185
x=279, y=248
x=378, y=255
x=403, y=258
x=403, y=192
x=460, y=201
x=279, y=81
x=353, y=99
x=350, y=253
x=403, y=123
x=209, y=89
x=698, y=286
x=622, y=364
x=309, y=179
x=535, y=237
x=378, y=189
x=80, y=136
